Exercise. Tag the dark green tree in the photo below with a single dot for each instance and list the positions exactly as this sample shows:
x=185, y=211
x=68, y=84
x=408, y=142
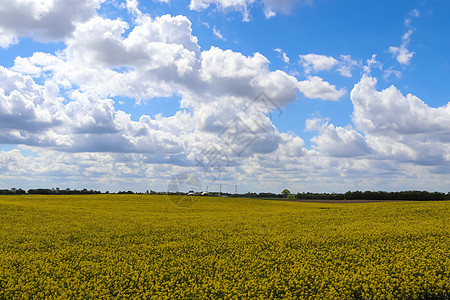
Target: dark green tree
x=285, y=193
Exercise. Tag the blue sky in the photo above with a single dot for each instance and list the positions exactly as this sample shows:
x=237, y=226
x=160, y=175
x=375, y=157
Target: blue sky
x=119, y=95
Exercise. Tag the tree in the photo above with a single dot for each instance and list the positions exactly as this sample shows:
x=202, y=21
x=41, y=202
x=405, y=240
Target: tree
x=285, y=193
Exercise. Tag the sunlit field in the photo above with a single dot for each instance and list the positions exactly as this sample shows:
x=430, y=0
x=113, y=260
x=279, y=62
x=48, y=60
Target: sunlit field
x=139, y=246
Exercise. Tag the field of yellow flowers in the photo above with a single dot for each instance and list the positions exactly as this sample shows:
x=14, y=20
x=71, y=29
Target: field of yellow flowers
x=144, y=247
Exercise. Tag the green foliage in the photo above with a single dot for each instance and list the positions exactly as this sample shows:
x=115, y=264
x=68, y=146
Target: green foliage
x=285, y=193
x=378, y=195
x=142, y=246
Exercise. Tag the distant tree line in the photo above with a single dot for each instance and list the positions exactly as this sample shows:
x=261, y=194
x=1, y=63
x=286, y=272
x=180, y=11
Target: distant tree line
x=377, y=195
x=41, y=191
x=13, y=191
x=350, y=195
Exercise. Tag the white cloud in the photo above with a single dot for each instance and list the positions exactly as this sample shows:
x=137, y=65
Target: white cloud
x=27, y=109
x=389, y=72
x=337, y=141
x=101, y=41
x=283, y=6
x=400, y=131
x=231, y=73
x=402, y=54
x=218, y=34
x=156, y=57
x=7, y=38
x=42, y=20
x=217, y=63
x=315, y=87
x=402, y=141
x=271, y=7
x=372, y=63
x=283, y=55
x=101, y=62
x=389, y=111
x=346, y=65
x=36, y=115
x=132, y=7
x=79, y=170
x=415, y=13
x=62, y=107
x=239, y=5
x=313, y=63
x=316, y=62
x=401, y=126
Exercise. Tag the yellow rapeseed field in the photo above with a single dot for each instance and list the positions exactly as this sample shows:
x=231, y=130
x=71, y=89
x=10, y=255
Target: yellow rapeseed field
x=144, y=247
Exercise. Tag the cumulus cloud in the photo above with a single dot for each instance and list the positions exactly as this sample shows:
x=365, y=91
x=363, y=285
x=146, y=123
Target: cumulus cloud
x=28, y=110
x=402, y=54
x=313, y=63
x=403, y=126
x=36, y=115
x=394, y=134
x=316, y=88
x=151, y=61
x=101, y=61
x=101, y=41
x=132, y=7
x=217, y=63
x=42, y=20
x=81, y=170
x=337, y=141
x=389, y=111
x=158, y=57
x=316, y=62
x=230, y=73
x=346, y=65
x=63, y=107
x=371, y=64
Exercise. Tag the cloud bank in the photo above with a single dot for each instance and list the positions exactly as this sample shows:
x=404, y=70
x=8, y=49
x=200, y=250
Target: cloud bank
x=62, y=108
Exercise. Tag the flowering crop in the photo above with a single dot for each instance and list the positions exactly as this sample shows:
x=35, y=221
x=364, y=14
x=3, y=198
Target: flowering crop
x=142, y=246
